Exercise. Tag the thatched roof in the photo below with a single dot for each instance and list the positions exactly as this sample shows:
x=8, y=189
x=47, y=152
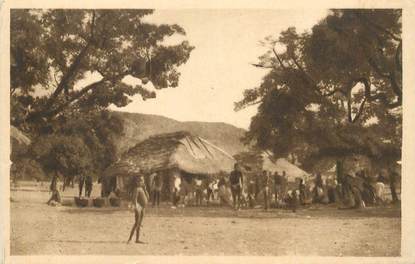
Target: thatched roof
x=181, y=150
x=259, y=161
x=17, y=137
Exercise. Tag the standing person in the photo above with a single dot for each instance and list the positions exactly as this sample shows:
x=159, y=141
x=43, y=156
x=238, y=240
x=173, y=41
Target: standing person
x=318, y=187
x=301, y=188
x=139, y=200
x=292, y=199
x=81, y=184
x=54, y=189
x=151, y=186
x=266, y=181
x=72, y=181
x=251, y=191
x=176, y=189
x=209, y=190
x=88, y=185
x=236, y=181
x=277, y=186
x=199, y=191
x=284, y=184
x=222, y=193
x=156, y=189
x=66, y=181
x=393, y=178
x=257, y=186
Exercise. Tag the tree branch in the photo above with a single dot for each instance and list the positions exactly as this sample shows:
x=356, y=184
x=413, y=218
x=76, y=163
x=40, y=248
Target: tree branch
x=82, y=92
x=395, y=87
x=75, y=97
x=92, y=24
x=349, y=106
x=333, y=92
x=379, y=28
x=307, y=76
x=262, y=66
x=398, y=57
x=68, y=75
x=279, y=59
x=73, y=68
x=360, y=111
x=377, y=69
x=239, y=105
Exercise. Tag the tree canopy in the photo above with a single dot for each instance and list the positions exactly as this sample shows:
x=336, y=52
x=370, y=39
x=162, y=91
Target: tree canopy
x=332, y=92
x=53, y=50
x=54, y=53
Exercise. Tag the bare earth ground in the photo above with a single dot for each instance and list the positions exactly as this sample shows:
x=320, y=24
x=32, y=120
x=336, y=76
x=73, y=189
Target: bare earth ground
x=38, y=229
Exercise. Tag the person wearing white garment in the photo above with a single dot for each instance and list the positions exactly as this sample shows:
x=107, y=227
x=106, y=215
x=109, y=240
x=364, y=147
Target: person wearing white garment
x=176, y=189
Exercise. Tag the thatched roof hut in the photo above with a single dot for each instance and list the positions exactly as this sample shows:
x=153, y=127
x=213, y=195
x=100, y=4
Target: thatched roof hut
x=257, y=161
x=178, y=153
x=180, y=150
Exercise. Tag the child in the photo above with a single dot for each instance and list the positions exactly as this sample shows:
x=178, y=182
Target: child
x=139, y=201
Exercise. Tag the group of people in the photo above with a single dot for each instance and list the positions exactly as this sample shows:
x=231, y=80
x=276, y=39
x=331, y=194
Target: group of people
x=264, y=183
x=274, y=188
x=360, y=187
x=226, y=188
x=84, y=183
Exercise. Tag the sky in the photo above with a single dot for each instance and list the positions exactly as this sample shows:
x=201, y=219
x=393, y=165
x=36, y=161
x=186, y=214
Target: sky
x=219, y=68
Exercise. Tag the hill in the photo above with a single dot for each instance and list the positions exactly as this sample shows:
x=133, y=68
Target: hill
x=138, y=127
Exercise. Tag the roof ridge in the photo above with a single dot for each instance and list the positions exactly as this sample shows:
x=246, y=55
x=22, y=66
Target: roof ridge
x=216, y=147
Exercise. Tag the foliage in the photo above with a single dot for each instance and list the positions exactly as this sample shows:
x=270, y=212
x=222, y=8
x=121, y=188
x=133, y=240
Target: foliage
x=333, y=92
x=53, y=50
x=66, y=155
x=54, y=53
x=79, y=144
x=26, y=168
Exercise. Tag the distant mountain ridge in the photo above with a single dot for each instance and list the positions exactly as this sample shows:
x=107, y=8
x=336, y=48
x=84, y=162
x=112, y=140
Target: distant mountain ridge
x=138, y=127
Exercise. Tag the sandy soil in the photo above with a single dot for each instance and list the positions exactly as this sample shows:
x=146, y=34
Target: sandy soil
x=38, y=229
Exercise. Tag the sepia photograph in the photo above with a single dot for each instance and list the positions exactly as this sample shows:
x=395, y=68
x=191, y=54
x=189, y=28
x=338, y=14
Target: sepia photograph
x=206, y=132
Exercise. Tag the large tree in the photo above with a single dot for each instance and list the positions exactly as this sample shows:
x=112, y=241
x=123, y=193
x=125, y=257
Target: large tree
x=333, y=92
x=67, y=67
x=52, y=50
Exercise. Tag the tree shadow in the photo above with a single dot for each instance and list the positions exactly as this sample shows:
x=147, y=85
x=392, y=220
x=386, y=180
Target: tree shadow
x=86, y=241
x=317, y=211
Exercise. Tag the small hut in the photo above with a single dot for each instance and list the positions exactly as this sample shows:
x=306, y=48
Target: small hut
x=256, y=161
x=179, y=153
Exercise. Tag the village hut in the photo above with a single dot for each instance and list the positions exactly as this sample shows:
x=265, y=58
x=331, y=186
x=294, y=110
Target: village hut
x=179, y=154
x=255, y=162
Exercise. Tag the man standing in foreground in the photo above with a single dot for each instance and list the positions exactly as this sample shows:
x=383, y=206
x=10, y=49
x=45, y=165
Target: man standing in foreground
x=139, y=201
x=236, y=181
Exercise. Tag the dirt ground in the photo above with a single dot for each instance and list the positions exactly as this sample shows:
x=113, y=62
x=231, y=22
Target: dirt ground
x=39, y=229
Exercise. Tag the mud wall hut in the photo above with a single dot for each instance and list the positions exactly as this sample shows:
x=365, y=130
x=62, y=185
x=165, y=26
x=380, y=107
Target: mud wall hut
x=179, y=154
